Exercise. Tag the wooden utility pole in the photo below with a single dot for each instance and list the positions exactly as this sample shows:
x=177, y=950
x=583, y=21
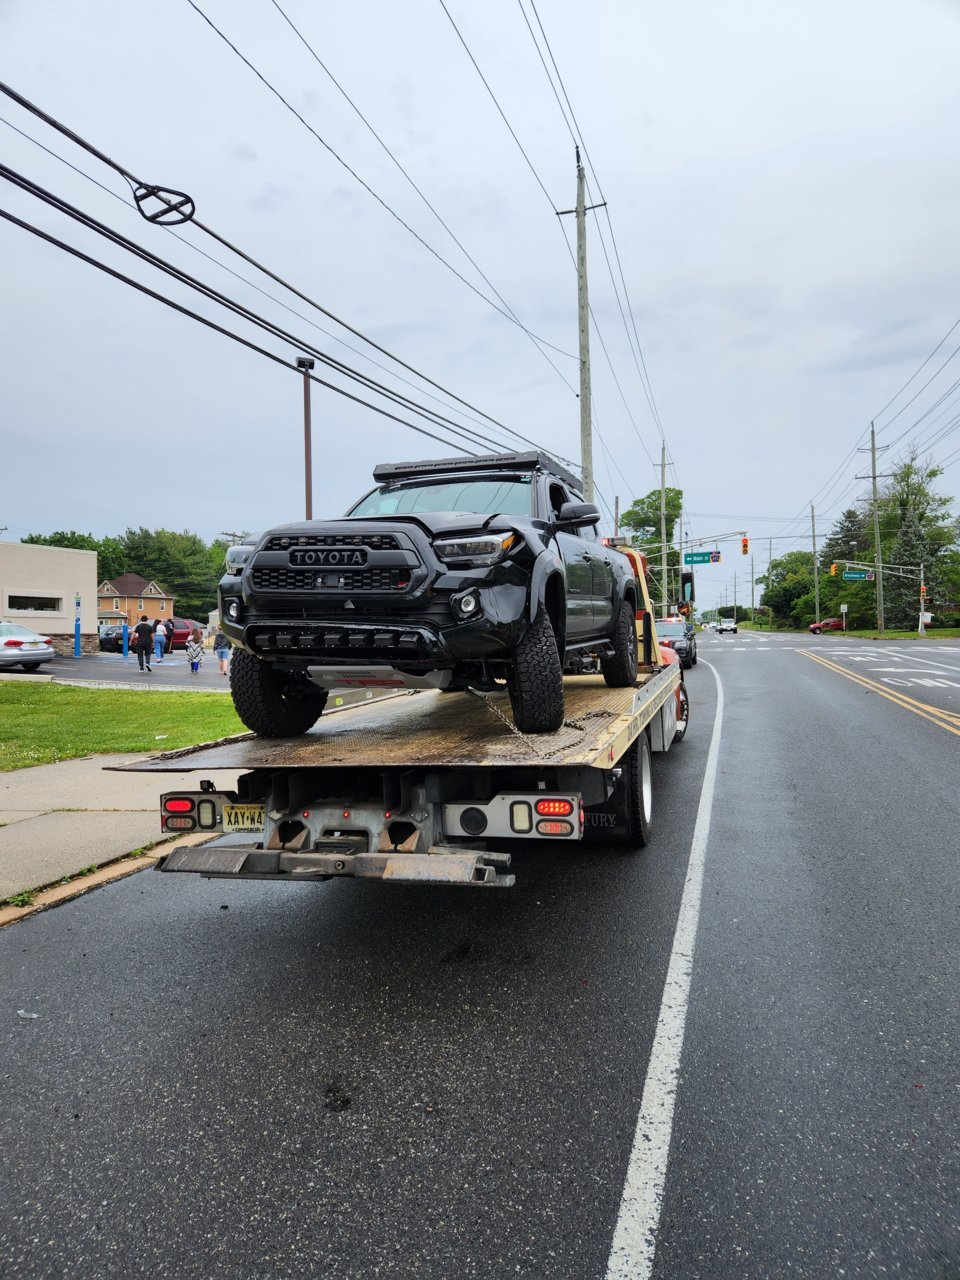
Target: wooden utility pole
x=663, y=530
x=616, y=516
x=583, y=314
x=583, y=319
x=816, y=570
x=877, y=550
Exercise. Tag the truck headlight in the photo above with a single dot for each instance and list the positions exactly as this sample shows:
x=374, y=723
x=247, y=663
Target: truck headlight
x=237, y=557
x=476, y=550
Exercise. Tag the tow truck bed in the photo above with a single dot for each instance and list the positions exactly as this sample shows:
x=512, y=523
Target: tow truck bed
x=450, y=729
x=423, y=787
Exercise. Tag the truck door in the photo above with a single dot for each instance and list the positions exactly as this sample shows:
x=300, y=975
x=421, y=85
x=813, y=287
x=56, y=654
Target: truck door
x=603, y=583
x=578, y=566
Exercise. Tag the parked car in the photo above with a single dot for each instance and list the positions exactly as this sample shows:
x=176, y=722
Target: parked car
x=673, y=633
x=111, y=640
x=726, y=624
x=181, y=632
x=827, y=624
x=21, y=647
x=481, y=572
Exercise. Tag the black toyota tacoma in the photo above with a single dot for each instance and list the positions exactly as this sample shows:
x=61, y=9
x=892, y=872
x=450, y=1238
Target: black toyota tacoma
x=452, y=574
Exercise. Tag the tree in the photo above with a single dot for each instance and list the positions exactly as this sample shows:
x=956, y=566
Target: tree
x=916, y=530
x=787, y=586
x=642, y=517
x=179, y=562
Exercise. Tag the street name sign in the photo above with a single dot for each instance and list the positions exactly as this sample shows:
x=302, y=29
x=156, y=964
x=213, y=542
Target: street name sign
x=698, y=557
x=854, y=575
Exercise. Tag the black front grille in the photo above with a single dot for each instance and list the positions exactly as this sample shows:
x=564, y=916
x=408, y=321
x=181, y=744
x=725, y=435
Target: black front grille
x=375, y=541
x=281, y=579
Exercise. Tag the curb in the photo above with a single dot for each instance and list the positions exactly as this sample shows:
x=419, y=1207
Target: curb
x=118, y=869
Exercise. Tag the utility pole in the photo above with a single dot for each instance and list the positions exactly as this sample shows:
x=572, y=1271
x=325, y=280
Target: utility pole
x=769, y=563
x=235, y=535
x=583, y=318
x=734, y=597
x=816, y=571
x=923, y=601
x=753, y=610
x=663, y=530
x=616, y=517
x=305, y=364
x=877, y=550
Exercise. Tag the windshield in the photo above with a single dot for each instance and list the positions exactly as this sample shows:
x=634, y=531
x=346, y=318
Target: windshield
x=508, y=495
x=671, y=630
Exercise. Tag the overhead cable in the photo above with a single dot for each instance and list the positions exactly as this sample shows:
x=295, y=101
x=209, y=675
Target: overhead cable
x=135, y=183
x=210, y=324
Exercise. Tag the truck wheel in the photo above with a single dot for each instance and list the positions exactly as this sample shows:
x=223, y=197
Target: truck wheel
x=620, y=671
x=683, y=715
x=638, y=776
x=274, y=704
x=535, y=680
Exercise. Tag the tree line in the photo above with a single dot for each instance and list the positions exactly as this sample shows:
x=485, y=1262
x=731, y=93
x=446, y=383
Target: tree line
x=181, y=563
x=916, y=528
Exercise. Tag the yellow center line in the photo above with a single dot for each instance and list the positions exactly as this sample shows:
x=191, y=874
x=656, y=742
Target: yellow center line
x=948, y=720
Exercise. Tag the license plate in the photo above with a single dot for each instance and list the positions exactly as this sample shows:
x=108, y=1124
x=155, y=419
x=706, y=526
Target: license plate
x=32, y=644
x=243, y=817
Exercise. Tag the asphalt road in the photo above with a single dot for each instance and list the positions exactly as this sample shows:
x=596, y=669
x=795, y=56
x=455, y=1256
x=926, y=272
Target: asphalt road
x=350, y=1080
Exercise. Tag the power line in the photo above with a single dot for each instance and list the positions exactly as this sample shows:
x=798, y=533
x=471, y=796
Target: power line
x=917, y=371
x=137, y=186
x=265, y=293
x=326, y=70
x=353, y=173
x=210, y=324
x=238, y=309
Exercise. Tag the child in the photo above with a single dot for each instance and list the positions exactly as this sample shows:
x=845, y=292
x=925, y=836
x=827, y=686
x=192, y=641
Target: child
x=195, y=650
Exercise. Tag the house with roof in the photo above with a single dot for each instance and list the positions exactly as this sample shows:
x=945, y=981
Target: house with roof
x=127, y=598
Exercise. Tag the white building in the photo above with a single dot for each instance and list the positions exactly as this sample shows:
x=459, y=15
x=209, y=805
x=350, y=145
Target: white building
x=47, y=588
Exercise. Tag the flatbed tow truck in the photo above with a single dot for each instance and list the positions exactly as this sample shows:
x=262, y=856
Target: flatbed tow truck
x=428, y=787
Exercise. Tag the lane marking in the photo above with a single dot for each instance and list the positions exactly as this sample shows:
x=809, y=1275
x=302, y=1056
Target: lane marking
x=635, y=1235
x=949, y=720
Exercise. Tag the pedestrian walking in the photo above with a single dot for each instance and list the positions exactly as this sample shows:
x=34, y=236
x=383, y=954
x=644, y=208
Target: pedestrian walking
x=221, y=647
x=159, y=639
x=143, y=633
x=195, y=650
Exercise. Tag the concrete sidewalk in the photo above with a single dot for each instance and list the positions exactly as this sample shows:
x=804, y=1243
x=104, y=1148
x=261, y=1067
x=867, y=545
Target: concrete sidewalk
x=59, y=819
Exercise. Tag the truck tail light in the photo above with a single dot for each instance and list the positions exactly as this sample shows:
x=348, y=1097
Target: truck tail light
x=185, y=823
x=178, y=804
x=554, y=827
x=554, y=808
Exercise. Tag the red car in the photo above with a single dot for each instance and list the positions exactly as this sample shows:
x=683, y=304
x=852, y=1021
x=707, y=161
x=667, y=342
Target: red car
x=827, y=624
x=181, y=632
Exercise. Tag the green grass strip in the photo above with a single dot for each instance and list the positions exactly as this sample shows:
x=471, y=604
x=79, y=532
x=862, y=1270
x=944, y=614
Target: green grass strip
x=40, y=724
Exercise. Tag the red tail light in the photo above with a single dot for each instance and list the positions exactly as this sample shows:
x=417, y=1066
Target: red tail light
x=554, y=828
x=667, y=644
x=554, y=808
x=12, y=644
x=178, y=806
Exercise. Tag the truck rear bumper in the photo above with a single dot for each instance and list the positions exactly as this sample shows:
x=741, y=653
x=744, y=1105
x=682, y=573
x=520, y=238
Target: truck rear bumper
x=244, y=858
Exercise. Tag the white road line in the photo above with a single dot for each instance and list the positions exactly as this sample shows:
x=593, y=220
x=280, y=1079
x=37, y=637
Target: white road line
x=635, y=1235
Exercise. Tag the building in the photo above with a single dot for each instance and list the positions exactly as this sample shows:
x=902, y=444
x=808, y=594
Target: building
x=127, y=598
x=47, y=589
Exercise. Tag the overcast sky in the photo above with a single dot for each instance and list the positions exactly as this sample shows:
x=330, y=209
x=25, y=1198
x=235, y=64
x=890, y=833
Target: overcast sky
x=782, y=182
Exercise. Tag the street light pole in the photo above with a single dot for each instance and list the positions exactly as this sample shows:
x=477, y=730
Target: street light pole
x=305, y=364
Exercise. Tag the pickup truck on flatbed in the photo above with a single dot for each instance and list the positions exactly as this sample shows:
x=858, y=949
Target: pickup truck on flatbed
x=430, y=786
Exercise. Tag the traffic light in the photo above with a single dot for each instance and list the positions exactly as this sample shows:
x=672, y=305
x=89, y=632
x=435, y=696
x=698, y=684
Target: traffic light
x=686, y=585
x=745, y=546
x=833, y=571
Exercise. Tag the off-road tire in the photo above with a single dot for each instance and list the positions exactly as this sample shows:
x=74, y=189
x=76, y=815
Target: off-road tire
x=620, y=670
x=535, y=680
x=274, y=704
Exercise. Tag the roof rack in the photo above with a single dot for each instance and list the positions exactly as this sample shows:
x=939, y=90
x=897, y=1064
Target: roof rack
x=532, y=460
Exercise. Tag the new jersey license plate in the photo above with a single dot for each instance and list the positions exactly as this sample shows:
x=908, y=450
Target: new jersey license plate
x=243, y=817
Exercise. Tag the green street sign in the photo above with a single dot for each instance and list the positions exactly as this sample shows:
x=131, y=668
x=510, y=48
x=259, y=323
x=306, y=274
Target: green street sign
x=854, y=575
x=696, y=557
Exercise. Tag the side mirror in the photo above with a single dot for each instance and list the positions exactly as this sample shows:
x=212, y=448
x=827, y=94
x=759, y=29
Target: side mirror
x=578, y=515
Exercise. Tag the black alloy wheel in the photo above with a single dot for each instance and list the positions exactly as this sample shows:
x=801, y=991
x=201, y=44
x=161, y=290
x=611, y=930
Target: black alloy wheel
x=620, y=670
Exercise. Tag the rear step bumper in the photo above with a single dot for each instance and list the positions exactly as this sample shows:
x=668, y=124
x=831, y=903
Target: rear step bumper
x=229, y=857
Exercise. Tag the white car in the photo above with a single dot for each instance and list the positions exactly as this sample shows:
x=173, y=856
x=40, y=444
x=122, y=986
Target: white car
x=20, y=647
x=726, y=624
